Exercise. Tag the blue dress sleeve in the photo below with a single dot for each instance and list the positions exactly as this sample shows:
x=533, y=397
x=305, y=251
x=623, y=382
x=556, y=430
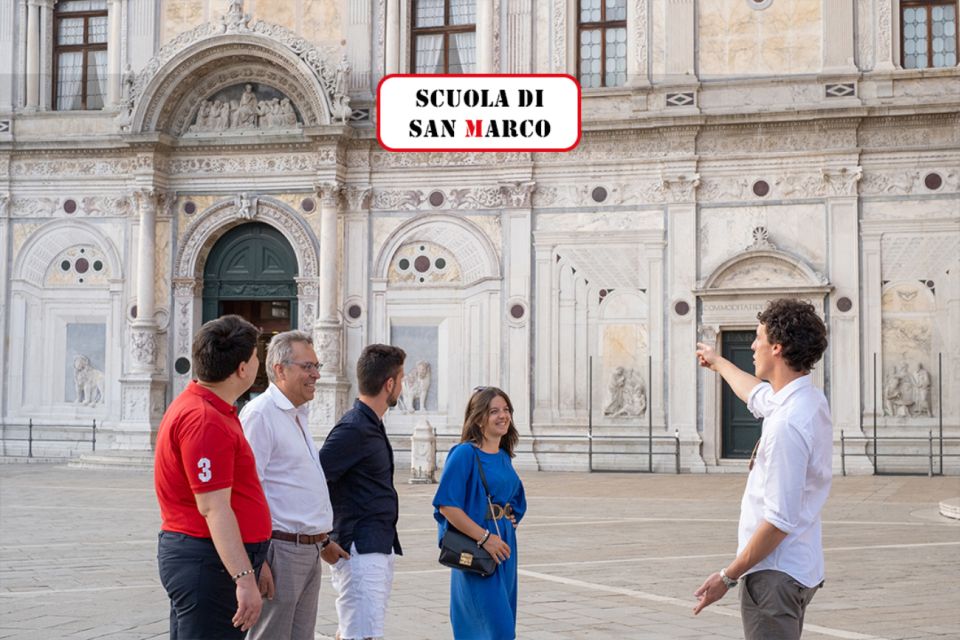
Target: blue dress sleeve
x=454, y=481
x=519, y=502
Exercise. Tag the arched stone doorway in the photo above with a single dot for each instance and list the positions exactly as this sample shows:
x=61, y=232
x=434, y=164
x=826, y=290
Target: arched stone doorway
x=251, y=271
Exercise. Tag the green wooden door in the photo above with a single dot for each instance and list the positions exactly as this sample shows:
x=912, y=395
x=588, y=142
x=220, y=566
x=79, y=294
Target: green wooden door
x=740, y=429
x=251, y=272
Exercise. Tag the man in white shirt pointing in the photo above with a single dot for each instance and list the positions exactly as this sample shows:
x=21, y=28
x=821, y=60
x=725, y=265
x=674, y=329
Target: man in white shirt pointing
x=780, y=554
x=288, y=463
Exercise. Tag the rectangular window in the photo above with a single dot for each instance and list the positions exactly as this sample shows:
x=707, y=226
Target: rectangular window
x=80, y=54
x=602, y=51
x=444, y=36
x=929, y=32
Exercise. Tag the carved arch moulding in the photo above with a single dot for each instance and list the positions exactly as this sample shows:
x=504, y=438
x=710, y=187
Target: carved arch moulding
x=53, y=238
x=222, y=216
x=173, y=83
x=475, y=254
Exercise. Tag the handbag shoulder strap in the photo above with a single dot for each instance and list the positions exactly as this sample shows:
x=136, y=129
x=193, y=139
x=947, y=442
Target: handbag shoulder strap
x=483, y=479
x=483, y=476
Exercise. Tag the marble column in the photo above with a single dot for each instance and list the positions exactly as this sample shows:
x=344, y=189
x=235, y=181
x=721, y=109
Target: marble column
x=681, y=361
x=484, y=36
x=516, y=222
x=33, y=54
x=331, y=399
x=114, y=15
x=143, y=388
x=844, y=326
x=143, y=334
x=392, y=38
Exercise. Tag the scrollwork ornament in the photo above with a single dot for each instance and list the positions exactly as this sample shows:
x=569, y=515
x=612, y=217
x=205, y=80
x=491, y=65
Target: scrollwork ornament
x=327, y=340
x=143, y=346
x=4, y=203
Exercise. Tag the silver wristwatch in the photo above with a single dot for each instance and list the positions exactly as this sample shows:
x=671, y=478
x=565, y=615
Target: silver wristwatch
x=727, y=580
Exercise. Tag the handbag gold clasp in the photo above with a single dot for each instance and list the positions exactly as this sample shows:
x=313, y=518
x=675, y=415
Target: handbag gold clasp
x=466, y=559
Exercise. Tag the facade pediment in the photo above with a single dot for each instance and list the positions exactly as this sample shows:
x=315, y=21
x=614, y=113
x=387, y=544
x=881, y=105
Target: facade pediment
x=168, y=95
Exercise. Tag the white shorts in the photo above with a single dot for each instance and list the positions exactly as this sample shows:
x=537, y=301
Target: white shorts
x=363, y=583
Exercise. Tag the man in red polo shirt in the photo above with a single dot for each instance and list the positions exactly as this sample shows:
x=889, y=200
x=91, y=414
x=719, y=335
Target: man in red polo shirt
x=216, y=525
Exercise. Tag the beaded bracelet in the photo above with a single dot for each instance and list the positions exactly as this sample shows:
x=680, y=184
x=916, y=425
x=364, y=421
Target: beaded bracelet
x=245, y=572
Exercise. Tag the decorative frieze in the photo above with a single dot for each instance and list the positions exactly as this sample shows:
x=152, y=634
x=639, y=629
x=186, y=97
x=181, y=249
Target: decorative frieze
x=143, y=346
x=774, y=138
x=70, y=167
x=388, y=160
x=245, y=164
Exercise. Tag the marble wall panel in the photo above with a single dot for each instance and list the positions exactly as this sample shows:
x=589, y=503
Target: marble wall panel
x=322, y=21
x=180, y=16
x=281, y=12
x=784, y=38
x=725, y=232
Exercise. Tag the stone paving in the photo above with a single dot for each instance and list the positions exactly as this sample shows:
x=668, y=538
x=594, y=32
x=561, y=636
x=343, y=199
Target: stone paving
x=601, y=556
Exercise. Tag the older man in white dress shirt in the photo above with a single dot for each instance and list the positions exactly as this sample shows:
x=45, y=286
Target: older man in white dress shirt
x=780, y=553
x=288, y=463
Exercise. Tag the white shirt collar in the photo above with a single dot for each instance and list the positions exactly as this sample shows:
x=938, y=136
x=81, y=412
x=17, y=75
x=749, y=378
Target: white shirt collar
x=792, y=387
x=283, y=402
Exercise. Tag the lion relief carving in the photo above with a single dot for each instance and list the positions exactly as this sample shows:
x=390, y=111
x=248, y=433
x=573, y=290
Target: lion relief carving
x=416, y=384
x=88, y=381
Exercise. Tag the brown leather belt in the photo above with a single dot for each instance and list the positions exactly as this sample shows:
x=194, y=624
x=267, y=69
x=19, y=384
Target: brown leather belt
x=497, y=512
x=299, y=538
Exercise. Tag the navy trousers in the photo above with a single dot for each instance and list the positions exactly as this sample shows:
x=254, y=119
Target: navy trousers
x=203, y=597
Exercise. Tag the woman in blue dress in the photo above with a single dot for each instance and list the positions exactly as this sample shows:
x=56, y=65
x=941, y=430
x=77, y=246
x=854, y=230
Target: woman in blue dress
x=484, y=608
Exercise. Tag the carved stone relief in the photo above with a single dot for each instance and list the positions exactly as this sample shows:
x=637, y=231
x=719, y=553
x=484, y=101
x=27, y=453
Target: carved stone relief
x=88, y=381
x=626, y=394
x=387, y=160
x=143, y=346
x=416, y=386
x=62, y=167
x=252, y=111
x=906, y=392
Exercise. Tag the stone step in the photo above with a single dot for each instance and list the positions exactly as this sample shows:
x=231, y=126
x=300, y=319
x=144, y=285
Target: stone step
x=126, y=460
x=33, y=460
x=950, y=508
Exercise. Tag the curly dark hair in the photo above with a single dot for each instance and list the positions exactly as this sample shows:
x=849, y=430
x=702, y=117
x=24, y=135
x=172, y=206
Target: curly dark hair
x=221, y=345
x=796, y=327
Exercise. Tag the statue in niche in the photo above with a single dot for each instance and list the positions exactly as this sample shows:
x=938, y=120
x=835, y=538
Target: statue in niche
x=88, y=381
x=287, y=114
x=340, y=101
x=921, y=383
x=898, y=392
x=627, y=394
x=246, y=113
x=416, y=384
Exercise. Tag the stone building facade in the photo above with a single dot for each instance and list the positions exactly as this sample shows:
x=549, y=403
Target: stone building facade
x=740, y=150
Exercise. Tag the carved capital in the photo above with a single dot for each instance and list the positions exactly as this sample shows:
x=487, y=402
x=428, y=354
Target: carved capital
x=517, y=195
x=358, y=197
x=4, y=202
x=680, y=188
x=148, y=200
x=185, y=287
x=328, y=193
x=841, y=182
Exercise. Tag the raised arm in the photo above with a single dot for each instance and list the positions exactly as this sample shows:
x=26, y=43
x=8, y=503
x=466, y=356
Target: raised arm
x=739, y=380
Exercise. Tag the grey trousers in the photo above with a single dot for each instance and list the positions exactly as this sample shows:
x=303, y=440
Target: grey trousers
x=296, y=576
x=772, y=605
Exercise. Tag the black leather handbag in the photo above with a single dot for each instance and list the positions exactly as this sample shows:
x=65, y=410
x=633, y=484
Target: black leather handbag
x=460, y=551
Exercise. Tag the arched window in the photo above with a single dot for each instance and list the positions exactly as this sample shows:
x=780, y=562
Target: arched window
x=602, y=43
x=80, y=54
x=444, y=36
x=929, y=33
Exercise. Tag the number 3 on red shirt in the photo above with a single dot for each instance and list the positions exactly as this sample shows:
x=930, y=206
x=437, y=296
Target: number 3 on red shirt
x=204, y=465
